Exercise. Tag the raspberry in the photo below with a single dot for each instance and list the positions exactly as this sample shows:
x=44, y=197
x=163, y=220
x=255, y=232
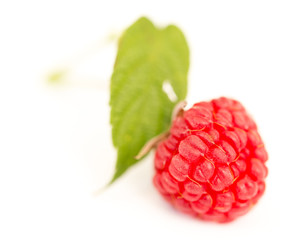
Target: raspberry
x=212, y=164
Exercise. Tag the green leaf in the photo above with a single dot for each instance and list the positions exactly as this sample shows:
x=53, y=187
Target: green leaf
x=140, y=109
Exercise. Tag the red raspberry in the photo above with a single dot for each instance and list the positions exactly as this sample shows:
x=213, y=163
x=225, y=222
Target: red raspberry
x=212, y=165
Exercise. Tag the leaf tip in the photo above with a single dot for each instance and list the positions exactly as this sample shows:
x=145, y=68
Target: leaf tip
x=57, y=76
x=144, y=19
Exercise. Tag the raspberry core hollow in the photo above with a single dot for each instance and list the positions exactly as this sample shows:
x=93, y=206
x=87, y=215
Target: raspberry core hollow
x=212, y=164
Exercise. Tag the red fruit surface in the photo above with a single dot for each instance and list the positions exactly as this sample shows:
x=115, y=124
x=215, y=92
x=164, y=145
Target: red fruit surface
x=212, y=165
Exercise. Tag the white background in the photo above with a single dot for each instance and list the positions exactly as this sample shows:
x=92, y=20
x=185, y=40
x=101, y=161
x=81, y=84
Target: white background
x=55, y=141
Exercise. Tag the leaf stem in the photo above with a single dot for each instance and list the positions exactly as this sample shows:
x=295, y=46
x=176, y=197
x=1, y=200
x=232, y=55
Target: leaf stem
x=178, y=109
x=153, y=142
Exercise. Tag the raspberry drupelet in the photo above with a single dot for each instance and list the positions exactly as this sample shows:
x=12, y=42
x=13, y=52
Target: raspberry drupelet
x=212, y=164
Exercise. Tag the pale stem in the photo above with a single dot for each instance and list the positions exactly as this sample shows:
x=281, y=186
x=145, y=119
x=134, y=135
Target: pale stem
x=178, y=109
x=153, y=142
